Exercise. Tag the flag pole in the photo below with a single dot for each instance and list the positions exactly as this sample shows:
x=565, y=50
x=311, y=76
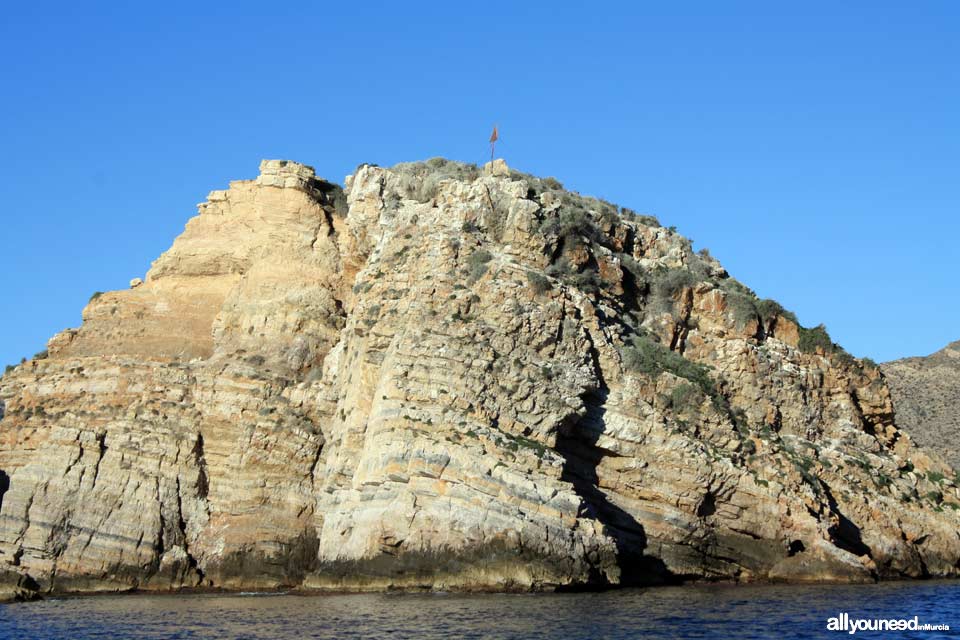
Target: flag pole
x=493, y=141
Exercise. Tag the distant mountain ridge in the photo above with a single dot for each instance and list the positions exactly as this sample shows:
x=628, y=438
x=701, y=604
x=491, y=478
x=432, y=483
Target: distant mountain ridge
x=926, y=397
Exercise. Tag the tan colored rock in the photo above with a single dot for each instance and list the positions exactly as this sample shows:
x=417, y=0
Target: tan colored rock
x=447, y=377
x=926, y=395
x=497, y=168
x=786, y=331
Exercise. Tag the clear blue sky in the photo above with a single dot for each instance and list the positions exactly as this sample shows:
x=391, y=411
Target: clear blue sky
x=813, y=149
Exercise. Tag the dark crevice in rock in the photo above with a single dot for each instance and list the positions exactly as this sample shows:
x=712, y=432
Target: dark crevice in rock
x=681, y=327
x=578, y=445
x=557, y=251
x=160, y=544
x=4, y=486
x=707, y=506
x=924, y=571
x=334, y=199
x=844, y=534
x=182, y=534
x=558, y=337
x=75, y=461
x=315, y=462
x=26, y=521
x=631, y=309
x=868, y=426
x=102, y=447
x=203, y=487
x=582, y=457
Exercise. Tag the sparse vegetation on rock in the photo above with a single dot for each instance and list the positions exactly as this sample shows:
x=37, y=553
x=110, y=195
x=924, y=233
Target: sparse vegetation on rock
x=456, y=377
x=926, y=396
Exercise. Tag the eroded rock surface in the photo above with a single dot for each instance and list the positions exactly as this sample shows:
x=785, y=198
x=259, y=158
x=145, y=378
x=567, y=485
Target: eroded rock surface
x=452, y=378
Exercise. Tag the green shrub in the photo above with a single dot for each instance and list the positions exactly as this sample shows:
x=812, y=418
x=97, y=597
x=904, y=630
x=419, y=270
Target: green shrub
x=734, y=285
x=477, y=264
x=469, y=227
x=9, y=368
x=633, y=267
x=669, y=282
x=647, y=221
x=372, y=315
x=651, y=358
x=560, y=269
x=743, y=307
x=420, y=181
x=41, y=355
x=537, y=185
x=96, y=294
x=746, y=306
x=665, y=284
x=539, y=282
x=685, y=396
x=869, y=363
x=770, y=309
x=552, y=184
x=586, y=281
x=812, y=339
x=572, y=223
x=480, y=256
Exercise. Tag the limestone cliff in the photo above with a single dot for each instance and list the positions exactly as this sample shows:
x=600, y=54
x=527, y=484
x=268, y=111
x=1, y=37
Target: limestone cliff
x=454, y=378
x=926, y=396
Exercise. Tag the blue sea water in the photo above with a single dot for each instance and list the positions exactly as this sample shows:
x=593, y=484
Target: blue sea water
x=783, y=612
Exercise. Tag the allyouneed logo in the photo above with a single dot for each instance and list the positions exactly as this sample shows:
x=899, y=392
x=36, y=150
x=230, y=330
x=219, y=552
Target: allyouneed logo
x=844, y=622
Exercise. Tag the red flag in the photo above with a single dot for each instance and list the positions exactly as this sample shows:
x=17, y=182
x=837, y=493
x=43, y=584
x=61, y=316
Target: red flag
x=494, y=136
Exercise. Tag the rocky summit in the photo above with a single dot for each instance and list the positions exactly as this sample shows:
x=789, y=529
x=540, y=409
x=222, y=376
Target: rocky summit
x=926, y=397
x=441, y=376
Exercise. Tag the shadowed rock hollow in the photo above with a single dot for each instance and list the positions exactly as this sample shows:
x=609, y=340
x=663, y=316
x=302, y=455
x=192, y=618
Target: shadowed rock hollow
x=448, y=377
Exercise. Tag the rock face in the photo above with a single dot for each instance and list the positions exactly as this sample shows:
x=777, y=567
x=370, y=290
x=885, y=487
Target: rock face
x=451, y=378
x=926, y=395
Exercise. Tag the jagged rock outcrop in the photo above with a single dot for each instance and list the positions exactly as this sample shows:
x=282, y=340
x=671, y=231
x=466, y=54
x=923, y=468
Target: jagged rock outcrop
x=452, y=378
x=926, y=396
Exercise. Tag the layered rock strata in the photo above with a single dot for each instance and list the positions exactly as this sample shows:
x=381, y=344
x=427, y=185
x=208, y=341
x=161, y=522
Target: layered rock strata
x=450, y=378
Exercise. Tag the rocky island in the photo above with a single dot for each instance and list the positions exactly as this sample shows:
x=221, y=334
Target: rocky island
x=440, y=376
